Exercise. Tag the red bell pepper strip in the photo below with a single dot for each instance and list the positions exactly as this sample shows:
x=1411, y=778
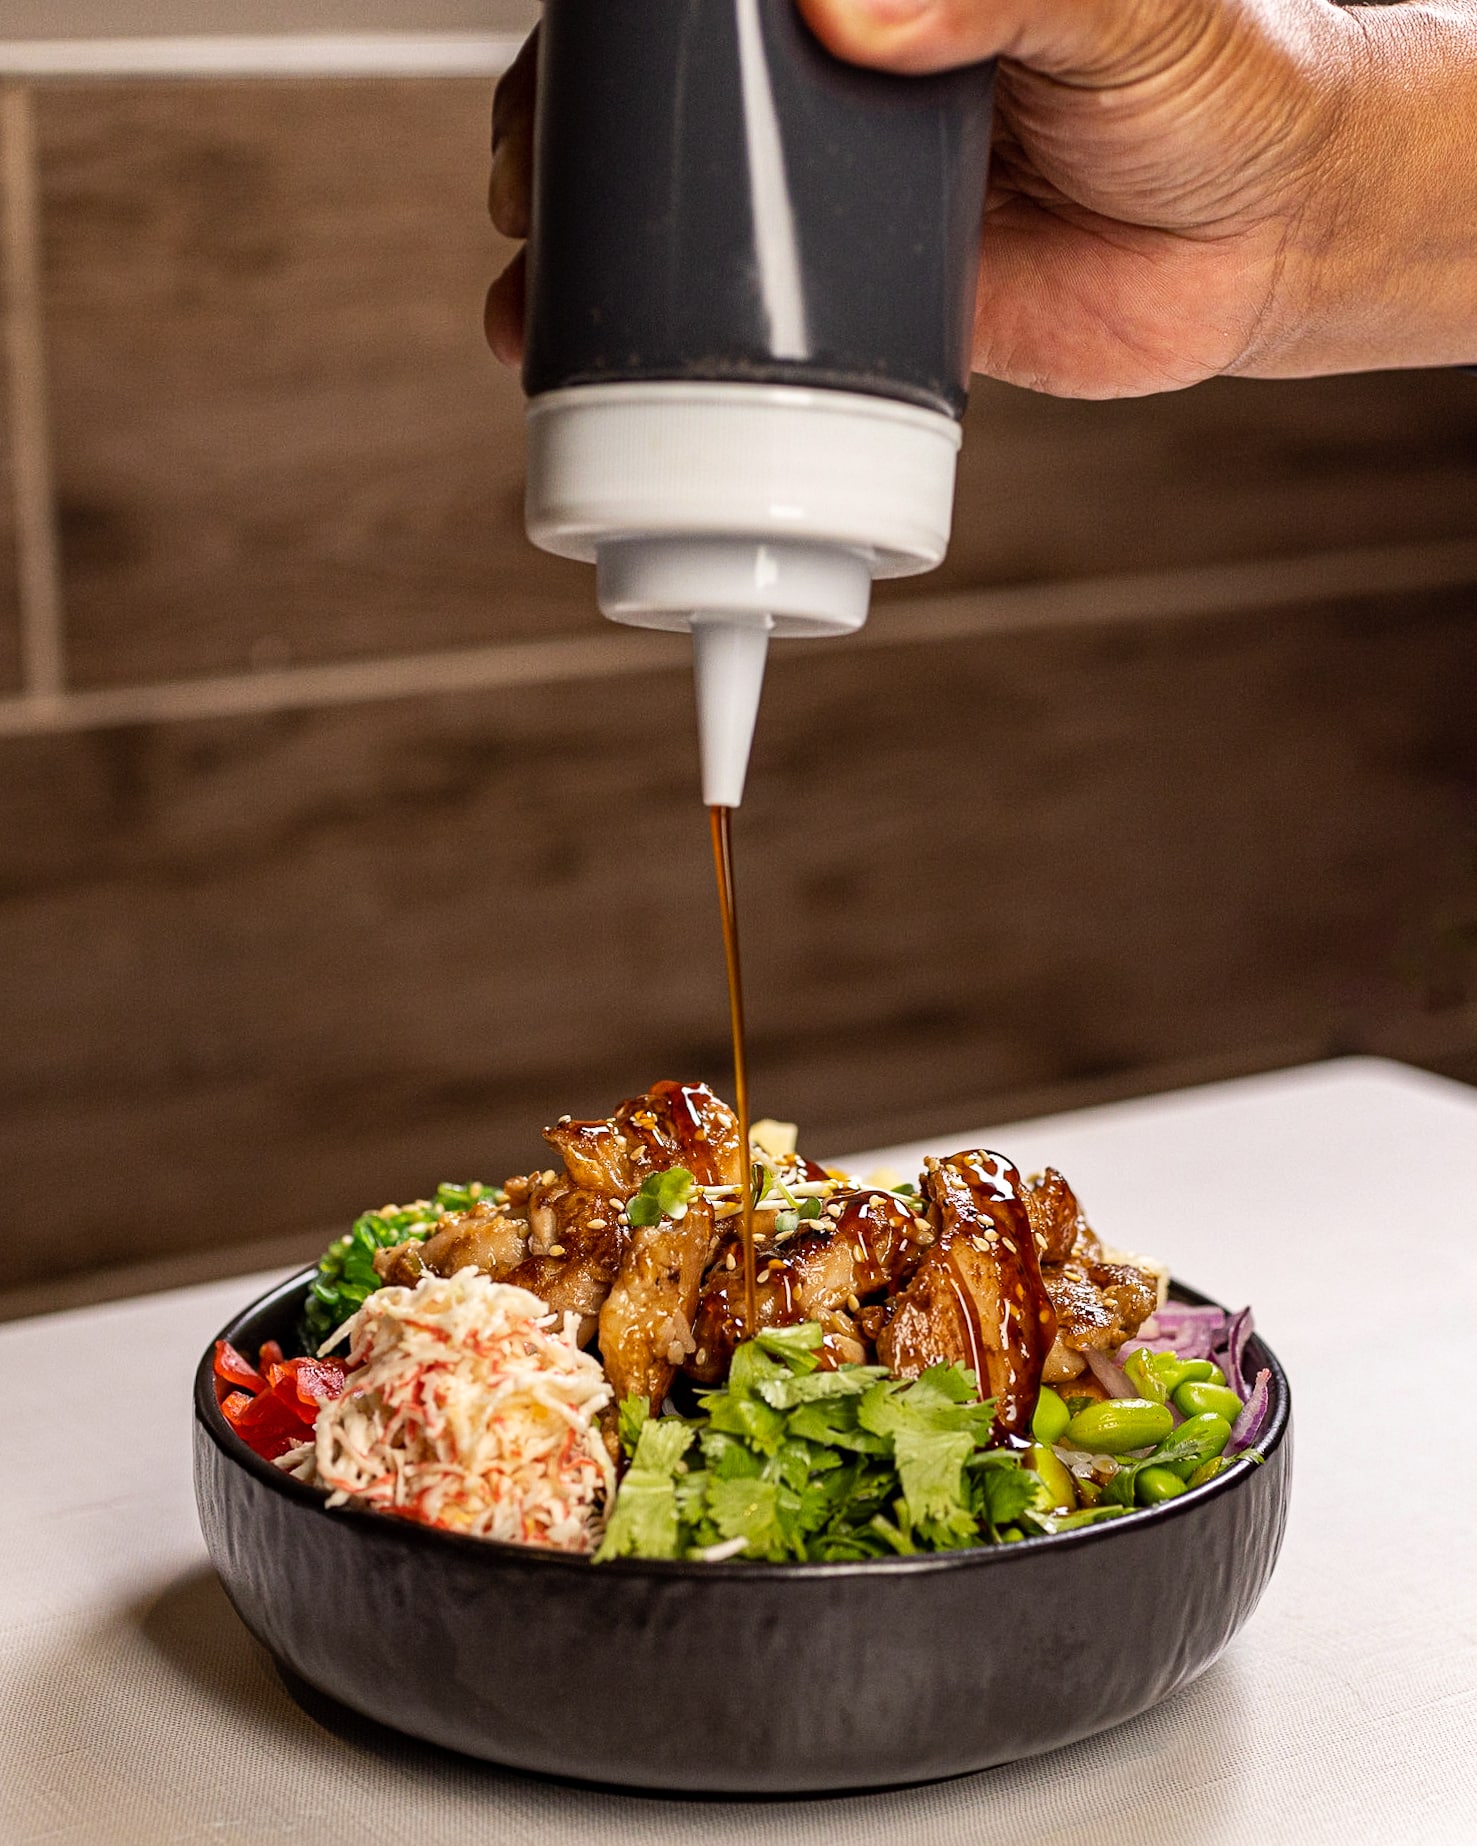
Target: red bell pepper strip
x=280, y=1412
x=233, y=1369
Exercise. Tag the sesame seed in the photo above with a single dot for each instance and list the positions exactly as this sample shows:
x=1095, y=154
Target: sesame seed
x=556, y=1249
x=854, y=1304
x=597, y=1224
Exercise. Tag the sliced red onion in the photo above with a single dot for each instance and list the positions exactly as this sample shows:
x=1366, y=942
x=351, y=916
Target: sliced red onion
x=1152, y=1342
x=1112, y=1377
x=1253, y=1418
x=1192, y=1332
x=1190, y=1342
x=1175, y=1315
x=1235, y=1361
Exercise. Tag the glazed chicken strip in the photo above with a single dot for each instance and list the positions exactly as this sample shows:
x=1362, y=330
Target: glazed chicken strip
x=576, y=1242
x=672, y=1125
x=1057, y=1220
x=646, y=1322
x=824, y=1273
x=977, y=1298
x=1099, y=1302
x=563, y=1235
x=488, y=1237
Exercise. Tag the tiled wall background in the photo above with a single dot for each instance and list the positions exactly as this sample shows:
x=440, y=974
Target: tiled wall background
x=355, y=847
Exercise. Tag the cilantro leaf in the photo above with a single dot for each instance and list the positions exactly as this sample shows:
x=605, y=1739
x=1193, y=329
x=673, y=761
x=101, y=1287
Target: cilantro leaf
x=930, y=1466
x=749, y=1509
x=746, y=1417
x=798, y=1347
x=787, y=1393
x=643, y=1519
x=631, y=1419
x=1007, y=1493
x=831, y=1423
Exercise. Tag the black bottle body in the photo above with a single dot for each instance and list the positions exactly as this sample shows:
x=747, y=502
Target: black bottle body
x=716, y=198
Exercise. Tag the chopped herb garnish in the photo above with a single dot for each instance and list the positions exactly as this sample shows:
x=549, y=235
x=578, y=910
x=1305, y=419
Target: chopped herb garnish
x=804, y=1463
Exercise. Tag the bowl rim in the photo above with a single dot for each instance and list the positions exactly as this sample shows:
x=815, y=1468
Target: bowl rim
x=233, y=1449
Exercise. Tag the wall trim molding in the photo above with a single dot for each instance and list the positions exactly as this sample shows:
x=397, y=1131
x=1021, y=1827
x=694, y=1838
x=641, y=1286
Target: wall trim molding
x=609, y=652
x=37, y=561
x=304, y=54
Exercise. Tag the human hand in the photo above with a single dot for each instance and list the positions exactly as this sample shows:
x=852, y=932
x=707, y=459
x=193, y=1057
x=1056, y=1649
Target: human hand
x=509, y=186
x=1179, y=188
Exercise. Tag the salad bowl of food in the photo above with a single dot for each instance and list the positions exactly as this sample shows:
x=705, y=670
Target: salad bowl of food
x=566, y=1474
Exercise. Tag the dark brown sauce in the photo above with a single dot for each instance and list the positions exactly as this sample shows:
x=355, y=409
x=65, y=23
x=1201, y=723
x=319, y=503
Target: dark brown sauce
x=969, y=1319
x=1027, y=1322
x=872, y=1227
x=720, y=820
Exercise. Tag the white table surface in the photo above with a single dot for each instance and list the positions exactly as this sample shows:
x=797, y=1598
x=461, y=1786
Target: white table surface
x=1340, y=1199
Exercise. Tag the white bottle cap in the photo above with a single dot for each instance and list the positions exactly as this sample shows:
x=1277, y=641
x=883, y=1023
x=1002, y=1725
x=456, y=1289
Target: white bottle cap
x=728, y=654
x=738, y=511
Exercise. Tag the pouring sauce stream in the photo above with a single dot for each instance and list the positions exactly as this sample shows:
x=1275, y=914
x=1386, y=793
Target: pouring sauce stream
x=720, y=821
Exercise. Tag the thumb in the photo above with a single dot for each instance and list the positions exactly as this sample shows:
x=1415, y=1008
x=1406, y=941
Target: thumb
x=1089, y=42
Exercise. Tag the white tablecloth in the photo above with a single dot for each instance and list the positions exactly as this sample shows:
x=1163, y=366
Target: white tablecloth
x=1341, y=1200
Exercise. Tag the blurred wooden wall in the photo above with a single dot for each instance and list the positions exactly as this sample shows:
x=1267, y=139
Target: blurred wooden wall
x=351, y=845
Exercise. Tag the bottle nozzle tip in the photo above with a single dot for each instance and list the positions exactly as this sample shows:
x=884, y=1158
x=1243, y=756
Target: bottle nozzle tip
x=728, y=655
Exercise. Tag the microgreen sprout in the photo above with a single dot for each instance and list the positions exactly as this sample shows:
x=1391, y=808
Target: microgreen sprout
x=662, y=1195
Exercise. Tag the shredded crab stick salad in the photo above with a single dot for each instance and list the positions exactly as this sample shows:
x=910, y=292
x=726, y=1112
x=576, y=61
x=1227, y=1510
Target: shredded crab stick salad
x=564, y=1360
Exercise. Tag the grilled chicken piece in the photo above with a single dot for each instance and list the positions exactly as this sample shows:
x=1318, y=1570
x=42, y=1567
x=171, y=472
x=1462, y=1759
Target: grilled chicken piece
x=823, y=1274
x=488, y=1237
x=575, y=1246
x=1099, y=1304
x=646, y=1322
x=672, y=1125
x=1056, y=1218
x=562, y=1235
x=977, y=1297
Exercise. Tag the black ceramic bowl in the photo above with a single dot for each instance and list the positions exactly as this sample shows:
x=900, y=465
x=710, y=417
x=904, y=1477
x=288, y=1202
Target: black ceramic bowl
x=735, y=1678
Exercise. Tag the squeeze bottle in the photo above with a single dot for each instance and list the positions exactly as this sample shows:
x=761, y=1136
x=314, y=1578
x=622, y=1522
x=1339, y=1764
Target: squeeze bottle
x=750, y=300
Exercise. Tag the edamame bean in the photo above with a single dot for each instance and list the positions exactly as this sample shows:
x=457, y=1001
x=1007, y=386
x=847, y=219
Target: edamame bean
x=1193, y=1400
x=1050, y=1418
x=1208, y=1433
x=1144, y=1375
x=1174, y=1371
x=1119, y=1424
x=1208, y=1470
x=1055, y=1477
x=1151, y=1485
